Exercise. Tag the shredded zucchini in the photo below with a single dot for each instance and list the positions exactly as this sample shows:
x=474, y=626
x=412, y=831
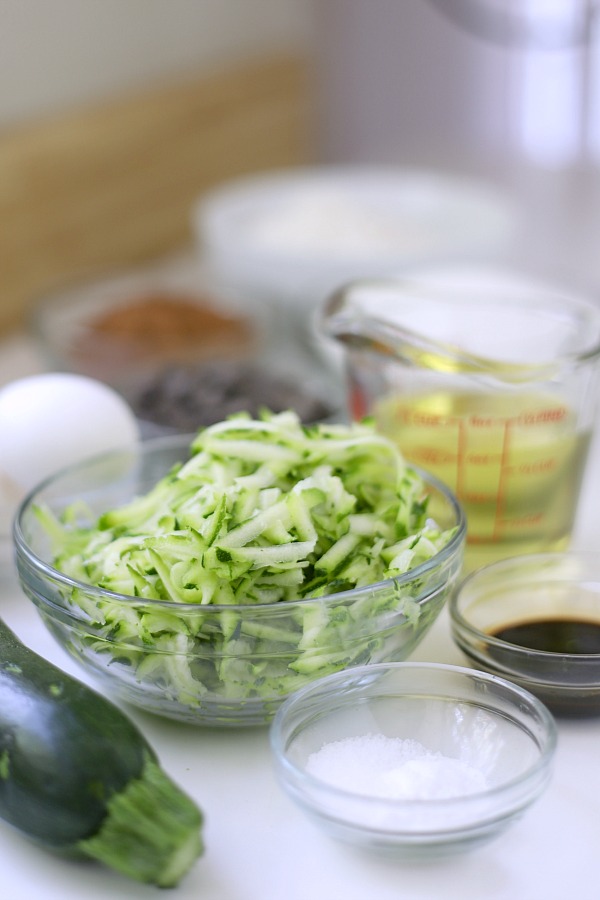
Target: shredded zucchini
x=265, y=511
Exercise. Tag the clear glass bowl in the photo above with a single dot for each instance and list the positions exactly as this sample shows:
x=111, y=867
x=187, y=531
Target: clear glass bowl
x=192, y=678
x=183, y=349
x=562, y=589
x=121, y=327
x=5, y=558
x=9, y=501
x=479, y=720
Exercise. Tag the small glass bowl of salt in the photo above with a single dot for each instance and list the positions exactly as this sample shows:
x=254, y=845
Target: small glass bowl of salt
x=417, y=759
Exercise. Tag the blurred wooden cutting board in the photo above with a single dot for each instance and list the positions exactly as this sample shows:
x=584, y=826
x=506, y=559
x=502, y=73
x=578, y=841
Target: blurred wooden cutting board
x=113, y=185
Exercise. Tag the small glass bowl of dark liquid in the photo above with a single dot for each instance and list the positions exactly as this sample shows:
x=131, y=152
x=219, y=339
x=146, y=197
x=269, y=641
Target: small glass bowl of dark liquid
x=535, y=620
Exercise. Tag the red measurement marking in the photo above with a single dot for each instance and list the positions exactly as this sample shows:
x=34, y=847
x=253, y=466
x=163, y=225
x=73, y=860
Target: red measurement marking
x=423, y=418
x=527, y=521
x=432, y=456
x=477, y=421
x=502, y=482
x=537, y=468
x=482, y=459
x=475, y=497
x=426, y=420
x=543, y=416
x=461, y=458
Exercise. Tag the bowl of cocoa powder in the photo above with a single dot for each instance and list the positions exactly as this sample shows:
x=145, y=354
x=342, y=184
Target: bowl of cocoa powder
x=182, y=350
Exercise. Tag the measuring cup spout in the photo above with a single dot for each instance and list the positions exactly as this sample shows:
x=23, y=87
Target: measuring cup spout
x=358, y=328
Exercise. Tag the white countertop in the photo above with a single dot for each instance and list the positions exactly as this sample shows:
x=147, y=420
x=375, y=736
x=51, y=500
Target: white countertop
x=259, y=846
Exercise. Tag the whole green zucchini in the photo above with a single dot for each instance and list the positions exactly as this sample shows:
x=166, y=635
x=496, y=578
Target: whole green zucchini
x=78, y=776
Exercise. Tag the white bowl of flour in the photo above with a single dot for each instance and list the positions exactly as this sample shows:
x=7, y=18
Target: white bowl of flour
x=296, y=235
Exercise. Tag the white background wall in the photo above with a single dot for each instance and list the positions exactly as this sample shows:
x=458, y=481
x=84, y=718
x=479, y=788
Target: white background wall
x=402, y=81
x=397, y=80
x=55, y=54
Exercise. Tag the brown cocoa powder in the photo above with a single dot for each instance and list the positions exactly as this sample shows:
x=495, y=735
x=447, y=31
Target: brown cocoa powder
x=159, y=328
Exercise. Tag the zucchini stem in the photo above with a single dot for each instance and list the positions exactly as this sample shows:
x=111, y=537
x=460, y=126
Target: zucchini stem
x=152, y=830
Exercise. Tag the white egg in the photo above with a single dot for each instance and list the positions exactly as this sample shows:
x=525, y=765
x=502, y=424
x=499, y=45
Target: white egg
x=51, y=421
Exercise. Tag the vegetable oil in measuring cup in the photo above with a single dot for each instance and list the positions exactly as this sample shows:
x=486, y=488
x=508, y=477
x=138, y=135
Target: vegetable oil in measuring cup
x=515, y=462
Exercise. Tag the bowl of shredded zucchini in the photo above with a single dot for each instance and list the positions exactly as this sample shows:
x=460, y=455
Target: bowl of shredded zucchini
x=207, y=577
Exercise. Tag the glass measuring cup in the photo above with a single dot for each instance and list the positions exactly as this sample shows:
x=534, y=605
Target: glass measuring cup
x=493, y=392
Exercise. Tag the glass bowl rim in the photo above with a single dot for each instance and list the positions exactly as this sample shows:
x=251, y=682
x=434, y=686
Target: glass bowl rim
x=471, y=633
x=546, y=749
x=47, y=571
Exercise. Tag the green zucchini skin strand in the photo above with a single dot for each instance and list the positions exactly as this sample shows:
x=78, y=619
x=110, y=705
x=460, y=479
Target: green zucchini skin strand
x=64, y=749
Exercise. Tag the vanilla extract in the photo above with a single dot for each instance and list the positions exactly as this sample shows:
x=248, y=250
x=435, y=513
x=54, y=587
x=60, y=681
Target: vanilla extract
x=554, y=635
x=562, y=666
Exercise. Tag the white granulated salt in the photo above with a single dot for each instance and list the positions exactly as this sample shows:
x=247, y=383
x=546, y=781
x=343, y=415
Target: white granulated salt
x=393, y=768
